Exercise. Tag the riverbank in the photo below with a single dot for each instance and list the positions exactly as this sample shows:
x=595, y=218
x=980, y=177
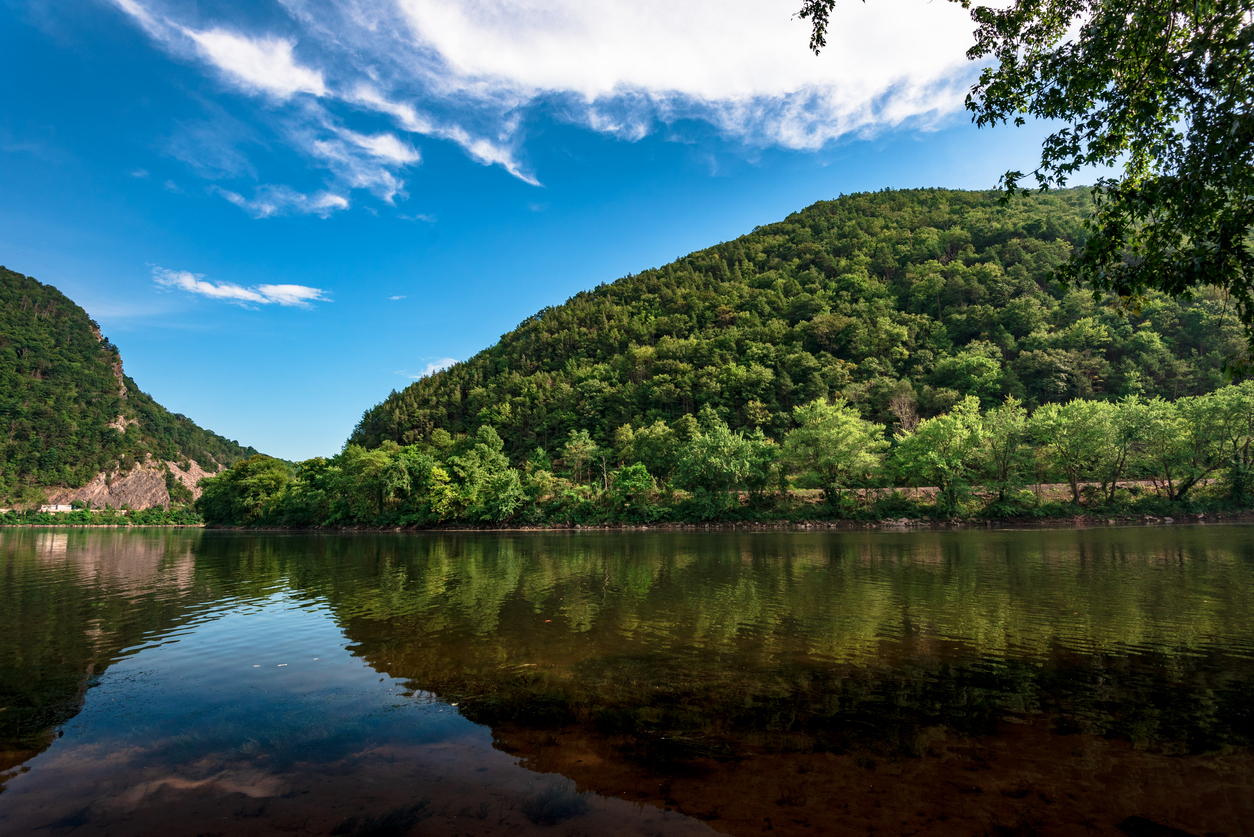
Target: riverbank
x=795, y=512
x=1082, y=521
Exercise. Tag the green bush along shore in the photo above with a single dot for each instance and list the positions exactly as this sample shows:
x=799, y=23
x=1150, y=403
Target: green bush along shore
x=1134, y=455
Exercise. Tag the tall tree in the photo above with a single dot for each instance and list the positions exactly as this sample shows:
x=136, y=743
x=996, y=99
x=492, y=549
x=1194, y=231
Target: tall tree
x=717, y=460
x=1004, y=434
x=943, y=451
x=1077, y=439
x=832, y=446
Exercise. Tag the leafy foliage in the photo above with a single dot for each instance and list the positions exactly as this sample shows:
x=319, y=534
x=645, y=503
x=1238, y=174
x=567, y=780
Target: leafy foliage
x=972, y=462
x=181, y=515
x=67, y=411
x=944, y=451
x=833, y=447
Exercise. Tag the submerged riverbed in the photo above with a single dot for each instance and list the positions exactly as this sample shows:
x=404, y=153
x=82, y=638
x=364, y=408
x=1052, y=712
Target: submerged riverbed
x=1038, y=682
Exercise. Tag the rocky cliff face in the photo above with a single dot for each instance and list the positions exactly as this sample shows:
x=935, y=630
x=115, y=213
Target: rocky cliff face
x=143, y=487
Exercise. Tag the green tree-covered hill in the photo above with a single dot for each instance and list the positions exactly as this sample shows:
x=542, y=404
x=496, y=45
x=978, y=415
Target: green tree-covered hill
x=902, y=302
x=67, y=410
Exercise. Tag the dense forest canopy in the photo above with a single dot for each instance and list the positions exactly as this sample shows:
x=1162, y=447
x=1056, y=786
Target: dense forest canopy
x=901, y=302
x=68, y=411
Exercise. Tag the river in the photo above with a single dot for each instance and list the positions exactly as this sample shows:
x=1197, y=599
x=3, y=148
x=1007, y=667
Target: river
x=975, y=682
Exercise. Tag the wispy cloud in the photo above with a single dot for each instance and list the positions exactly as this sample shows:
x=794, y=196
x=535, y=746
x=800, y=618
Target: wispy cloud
x=45, y=149
x=439, y=365
x=418, y=216
x=360, y=161
x=300, y=296
x=398, y=296
x=267, y=65
x=269, y=201
x=215, y=147
x=141, y=174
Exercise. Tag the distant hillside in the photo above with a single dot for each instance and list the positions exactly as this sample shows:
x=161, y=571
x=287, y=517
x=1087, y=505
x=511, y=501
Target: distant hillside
x=73, y=426
x=901, y=301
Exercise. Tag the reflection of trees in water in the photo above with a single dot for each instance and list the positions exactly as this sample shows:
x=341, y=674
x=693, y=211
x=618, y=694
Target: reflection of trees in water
x=1142, y=633
x=838, y=597
x=693, y=639
x=70, y=602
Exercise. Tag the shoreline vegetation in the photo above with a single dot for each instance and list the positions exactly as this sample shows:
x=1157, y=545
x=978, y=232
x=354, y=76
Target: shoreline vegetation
x=178, y=516
x=1080, y=518
x=1133, y=458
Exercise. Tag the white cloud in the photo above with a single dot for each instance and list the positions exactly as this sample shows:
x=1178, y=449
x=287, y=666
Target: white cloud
x=431, y=368
x=361, y=161
x=469, y=72
x=486, y=151
x=282, y=200
x=739, y=64
x=299, y=296
x=194, y=283
x=482, y=149
x=263, y=64
x=383, y=146
x=142, y=174
x=398, y=296
x=405, y=114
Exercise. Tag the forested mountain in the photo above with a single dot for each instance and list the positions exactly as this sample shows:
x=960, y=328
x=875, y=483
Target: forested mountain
x=899, y=340
x=901, y=302
x=70, y=415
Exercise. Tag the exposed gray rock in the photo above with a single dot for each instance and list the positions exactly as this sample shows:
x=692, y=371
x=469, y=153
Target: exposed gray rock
x=143, y=487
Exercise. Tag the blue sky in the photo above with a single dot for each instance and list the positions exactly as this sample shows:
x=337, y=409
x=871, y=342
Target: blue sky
x=281, y=211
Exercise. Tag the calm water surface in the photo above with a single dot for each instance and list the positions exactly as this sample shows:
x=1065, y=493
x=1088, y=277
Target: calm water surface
x=1039, y=682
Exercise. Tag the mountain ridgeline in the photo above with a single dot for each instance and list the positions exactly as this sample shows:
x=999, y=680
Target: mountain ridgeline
x=75, y=426
x=901, y=302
